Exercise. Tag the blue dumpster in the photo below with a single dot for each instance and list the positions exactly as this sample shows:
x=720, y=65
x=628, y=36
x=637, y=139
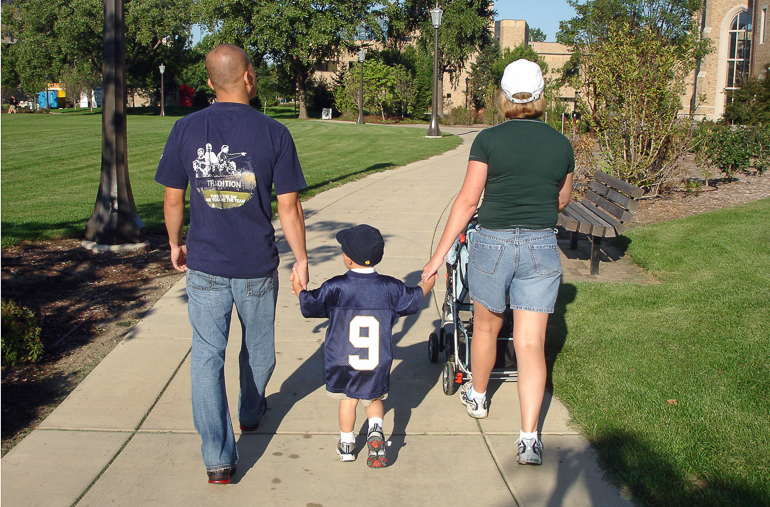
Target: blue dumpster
x=52, y=101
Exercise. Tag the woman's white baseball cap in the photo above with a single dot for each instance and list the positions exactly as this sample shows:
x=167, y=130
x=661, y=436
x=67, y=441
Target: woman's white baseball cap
x=522, y=76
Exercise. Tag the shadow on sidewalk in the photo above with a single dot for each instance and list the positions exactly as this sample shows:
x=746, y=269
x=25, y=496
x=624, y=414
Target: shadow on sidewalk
x=411, y=380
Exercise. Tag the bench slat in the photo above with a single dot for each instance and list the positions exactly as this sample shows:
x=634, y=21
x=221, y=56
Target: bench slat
x=582, y=226
x=613, y=209
x=600, y=227
x=616, y=197
x=621, y=185
x=616, y=224
x=569, y=223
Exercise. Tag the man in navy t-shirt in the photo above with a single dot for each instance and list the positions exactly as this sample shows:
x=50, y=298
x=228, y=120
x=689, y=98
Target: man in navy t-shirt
x=231, y=156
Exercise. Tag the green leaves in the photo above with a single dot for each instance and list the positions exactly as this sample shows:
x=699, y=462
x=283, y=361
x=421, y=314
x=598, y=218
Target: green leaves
x=633, y=57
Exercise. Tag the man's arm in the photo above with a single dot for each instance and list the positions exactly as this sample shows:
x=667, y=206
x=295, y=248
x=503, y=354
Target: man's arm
x=173, y=213
x=293, y=225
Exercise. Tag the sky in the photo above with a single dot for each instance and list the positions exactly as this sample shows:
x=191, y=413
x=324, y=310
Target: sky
x=543, y=14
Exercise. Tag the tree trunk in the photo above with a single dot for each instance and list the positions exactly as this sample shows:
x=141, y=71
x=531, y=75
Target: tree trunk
x=302, y=92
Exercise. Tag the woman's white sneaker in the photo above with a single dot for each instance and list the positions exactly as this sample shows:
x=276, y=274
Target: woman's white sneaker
x=478, y=409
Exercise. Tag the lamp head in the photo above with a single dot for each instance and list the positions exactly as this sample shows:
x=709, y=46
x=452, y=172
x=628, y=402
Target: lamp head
x=435, y=16
x=361, y=56
x=162, y=68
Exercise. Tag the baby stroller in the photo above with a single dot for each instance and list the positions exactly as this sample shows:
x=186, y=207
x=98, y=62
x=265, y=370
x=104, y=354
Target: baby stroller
x=456, y=329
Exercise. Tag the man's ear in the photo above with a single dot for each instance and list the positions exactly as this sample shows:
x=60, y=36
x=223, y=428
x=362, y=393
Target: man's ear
x=248, y=80
x=210, y=85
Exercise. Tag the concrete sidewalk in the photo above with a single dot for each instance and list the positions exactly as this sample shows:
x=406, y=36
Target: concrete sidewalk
x=125, y=436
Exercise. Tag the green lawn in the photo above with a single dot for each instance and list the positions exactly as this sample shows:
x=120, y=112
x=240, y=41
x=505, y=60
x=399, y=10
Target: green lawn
x=671, y=381
x=51, y=165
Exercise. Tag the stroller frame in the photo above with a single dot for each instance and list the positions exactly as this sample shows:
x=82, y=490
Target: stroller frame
x=456, y=328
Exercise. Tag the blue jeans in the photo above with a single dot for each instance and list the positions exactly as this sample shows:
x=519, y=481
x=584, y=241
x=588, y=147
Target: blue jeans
x=210, y=305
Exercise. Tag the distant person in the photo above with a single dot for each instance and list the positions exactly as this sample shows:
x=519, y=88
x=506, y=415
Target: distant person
x=230, y=256
x=12, y=103
x=362, y=307
x=524, y=169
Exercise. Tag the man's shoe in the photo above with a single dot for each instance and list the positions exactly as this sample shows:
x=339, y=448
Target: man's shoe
x=346, y=451
x=221, y=476
x=375, y=440
x=476, y=409
x=246, y=429
x=256, y=426
x=530, y=452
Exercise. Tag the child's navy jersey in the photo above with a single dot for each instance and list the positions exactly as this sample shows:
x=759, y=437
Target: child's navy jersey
x=361, y=308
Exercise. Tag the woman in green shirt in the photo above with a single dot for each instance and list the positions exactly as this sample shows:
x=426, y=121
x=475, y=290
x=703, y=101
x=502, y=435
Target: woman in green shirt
x=524, y=169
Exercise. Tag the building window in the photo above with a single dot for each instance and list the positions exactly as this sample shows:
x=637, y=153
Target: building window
x=739, y=53
x=763, y=18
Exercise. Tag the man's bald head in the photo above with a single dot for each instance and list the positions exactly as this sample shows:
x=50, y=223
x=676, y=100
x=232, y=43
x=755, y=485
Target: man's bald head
x=226, y=64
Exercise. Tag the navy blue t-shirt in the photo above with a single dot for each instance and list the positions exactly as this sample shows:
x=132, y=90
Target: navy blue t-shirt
x=361, y=308
x=231, y=155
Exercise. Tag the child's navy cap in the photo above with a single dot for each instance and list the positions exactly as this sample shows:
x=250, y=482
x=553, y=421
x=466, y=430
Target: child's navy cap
x=363, y=244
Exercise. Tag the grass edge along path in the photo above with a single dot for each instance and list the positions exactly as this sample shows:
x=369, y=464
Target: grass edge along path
x=671, y=381
x=51, y=165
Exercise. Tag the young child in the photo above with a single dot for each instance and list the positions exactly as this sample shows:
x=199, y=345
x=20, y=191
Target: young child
x=362, y=307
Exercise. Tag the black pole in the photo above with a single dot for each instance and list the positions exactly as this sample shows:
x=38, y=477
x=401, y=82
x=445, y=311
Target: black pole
x=433, y=130
x=361, y=97
x=114, y=219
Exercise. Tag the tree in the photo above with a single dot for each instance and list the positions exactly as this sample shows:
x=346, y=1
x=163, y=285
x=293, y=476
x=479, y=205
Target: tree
x=632, y=58
x=536, y=35
x=297, y=34
x=464, y=31
x=64, y=38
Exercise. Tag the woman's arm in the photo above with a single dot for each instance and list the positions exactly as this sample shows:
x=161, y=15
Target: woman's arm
x=462, y=211
x=565, y=191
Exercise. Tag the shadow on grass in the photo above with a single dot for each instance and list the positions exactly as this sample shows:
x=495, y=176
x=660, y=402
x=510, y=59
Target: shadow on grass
x=314, y=189
x=646, y=474
x=15, y=232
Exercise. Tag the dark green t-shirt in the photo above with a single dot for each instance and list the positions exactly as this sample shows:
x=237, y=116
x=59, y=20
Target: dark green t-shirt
x=526, y=160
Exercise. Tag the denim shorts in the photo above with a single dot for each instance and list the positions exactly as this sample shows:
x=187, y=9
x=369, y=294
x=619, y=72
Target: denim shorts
x=520, y=264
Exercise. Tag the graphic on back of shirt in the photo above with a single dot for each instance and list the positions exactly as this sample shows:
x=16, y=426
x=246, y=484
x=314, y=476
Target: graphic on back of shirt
x=226, y=180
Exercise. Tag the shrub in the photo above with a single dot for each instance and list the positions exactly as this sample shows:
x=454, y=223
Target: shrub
x=20, y=335
x=732, y=148
x=459, y=116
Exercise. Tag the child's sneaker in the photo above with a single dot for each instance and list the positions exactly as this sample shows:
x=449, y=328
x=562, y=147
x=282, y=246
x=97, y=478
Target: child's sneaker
x=346, y=451
x=476, y=409
x=375, y=440
x=530, y=451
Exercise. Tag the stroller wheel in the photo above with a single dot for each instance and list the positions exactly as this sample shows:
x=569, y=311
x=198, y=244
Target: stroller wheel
x=433, y=347
x=448, y=379
x=449, y=345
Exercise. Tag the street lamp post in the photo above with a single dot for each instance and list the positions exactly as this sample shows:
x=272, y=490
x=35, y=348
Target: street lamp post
x=162, y=94
x=361, y=58
x=435, y=17
x=467, y=80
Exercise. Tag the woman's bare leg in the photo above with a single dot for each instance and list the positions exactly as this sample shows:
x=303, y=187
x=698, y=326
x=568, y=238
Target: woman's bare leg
x=529, y=343
x=486, y=329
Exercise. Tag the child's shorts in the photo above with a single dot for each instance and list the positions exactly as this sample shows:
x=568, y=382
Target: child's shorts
x=343, y=396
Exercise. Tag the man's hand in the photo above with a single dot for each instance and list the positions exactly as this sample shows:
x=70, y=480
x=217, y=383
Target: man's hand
x=299, y=277
x=296, y=288
x=179, y=258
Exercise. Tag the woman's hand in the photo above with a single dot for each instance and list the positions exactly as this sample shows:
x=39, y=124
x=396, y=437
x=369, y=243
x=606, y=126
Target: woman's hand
x=431, y=268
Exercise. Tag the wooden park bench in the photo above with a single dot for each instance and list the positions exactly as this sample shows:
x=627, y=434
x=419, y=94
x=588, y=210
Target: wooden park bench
x=603, y=213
